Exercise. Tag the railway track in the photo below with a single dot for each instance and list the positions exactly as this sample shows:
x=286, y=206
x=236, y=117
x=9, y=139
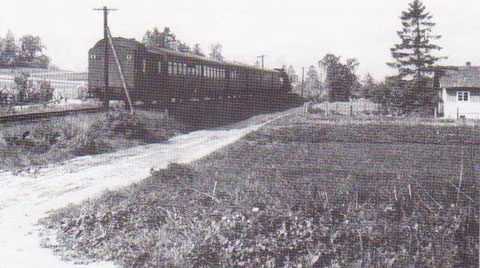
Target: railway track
x=42, y=115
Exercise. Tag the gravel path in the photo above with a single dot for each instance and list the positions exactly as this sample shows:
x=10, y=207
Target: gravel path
x=29, y=196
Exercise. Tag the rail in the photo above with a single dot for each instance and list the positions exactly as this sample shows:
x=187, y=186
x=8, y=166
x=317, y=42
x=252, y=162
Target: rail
x=41, y=115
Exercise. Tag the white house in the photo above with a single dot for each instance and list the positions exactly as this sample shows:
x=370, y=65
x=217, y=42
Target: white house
x=459, y=90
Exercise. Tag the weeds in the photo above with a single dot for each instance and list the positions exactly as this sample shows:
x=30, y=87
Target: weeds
x=286, y=197
x=63, y=138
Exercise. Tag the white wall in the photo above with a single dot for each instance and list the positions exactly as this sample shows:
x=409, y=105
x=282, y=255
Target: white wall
x=453, y=108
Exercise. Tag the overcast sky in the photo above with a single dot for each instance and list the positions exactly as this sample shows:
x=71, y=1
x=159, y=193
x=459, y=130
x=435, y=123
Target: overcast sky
x=296, y=32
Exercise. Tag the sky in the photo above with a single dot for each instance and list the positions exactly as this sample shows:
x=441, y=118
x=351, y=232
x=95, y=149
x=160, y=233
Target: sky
x=289, y=32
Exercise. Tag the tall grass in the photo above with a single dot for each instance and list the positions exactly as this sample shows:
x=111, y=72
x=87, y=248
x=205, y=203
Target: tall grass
x=294, y=194
x=53, y=140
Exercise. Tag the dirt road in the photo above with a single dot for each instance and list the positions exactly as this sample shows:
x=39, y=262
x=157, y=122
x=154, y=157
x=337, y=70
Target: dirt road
x=27, y=197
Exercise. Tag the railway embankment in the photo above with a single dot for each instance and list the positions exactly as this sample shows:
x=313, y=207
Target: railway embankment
x=30, y=145
x=302, y=190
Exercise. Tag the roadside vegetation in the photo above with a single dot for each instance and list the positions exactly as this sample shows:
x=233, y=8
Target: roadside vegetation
x=302, y=191
x=52, y=140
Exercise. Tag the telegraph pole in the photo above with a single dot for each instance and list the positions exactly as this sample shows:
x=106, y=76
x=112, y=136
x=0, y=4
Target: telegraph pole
x=263, y=57
x=105, y=38
x=303, y=74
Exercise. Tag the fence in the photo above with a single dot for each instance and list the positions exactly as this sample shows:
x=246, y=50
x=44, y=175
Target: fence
x=354, y=107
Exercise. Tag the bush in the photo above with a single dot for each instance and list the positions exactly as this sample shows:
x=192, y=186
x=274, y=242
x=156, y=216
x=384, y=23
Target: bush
x=27, y=91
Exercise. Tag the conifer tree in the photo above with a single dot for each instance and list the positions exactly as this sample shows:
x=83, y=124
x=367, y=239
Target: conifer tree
x=413, y=56
x=197, y=50
x=165, y=39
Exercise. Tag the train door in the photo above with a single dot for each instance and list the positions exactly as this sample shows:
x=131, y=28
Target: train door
x=191, y=89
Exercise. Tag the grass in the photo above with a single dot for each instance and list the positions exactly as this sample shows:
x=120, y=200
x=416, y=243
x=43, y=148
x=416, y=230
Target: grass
x=301, y=191
x=58, y=139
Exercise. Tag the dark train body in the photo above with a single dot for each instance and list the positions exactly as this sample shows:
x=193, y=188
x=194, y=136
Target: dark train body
x=161, y=75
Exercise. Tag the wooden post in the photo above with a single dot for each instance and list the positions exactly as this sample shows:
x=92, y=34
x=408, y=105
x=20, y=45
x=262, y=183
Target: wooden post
x=124, y=83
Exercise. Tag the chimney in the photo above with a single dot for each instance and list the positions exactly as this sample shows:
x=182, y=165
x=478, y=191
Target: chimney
x=468, y=64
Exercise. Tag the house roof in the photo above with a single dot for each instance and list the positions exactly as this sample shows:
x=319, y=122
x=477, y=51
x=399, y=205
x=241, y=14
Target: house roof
x=460, y=76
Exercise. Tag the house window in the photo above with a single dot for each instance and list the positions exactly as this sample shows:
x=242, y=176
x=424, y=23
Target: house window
x=463, y=95
x=170, y=68
x=144, y=65
x=159, y=67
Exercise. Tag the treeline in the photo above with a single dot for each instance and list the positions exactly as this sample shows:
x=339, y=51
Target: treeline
x=167, y=39
x=410, y=91
x=25, y=90
x=24, y=52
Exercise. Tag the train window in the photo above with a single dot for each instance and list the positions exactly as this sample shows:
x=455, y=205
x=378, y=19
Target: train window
x=159, y=67
x=144, y=65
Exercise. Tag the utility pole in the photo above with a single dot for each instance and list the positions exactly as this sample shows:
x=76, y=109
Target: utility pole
x=303, y=74
x=263, y=57
x=105, y=38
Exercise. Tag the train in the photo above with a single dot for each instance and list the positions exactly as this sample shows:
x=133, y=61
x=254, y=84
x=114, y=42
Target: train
x=153, y=74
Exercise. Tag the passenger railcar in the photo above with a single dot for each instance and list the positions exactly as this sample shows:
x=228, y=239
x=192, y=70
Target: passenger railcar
x=162, y=75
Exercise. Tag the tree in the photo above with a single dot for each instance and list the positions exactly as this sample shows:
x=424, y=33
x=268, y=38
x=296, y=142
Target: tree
x=292, y=74
x=341, y=79
x=415, y=60
x=216, y=52
x=413, y=56
x=9, y=49
x=31, y=45
x=165, y=39
x=312, y=83
x=182, y=47
x=22, y=86
x=197, y=50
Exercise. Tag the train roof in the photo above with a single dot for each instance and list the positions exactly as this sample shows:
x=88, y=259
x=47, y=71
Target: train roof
x=196, y=57
x=134, y=44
